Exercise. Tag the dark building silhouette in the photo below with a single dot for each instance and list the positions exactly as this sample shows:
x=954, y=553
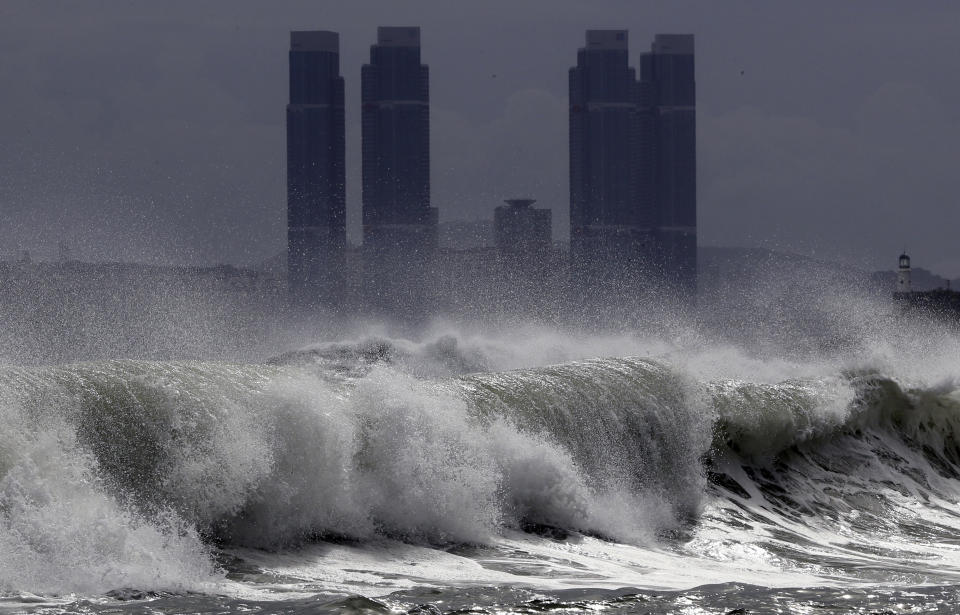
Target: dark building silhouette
x=670, y=135
x=524, y=277
x=316, y=196
x=632, y=169
x=610, y=227
x=399, y=225
x=520, y=228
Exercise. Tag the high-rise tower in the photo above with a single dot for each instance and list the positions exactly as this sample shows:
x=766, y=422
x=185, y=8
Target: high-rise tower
x=667, y=79
x=632, y=169
x=316, y=195
x=609, y=224
x=399, y=225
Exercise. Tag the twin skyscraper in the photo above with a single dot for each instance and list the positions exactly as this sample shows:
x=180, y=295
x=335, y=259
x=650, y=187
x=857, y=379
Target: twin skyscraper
x=633, y=168
x=399, y=225
x=632, y=172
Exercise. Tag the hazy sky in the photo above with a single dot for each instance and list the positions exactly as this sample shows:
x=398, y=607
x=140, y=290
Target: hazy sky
x=153, y=131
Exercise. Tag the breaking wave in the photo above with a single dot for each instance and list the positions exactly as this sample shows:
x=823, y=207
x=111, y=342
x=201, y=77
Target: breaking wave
x=129, y=473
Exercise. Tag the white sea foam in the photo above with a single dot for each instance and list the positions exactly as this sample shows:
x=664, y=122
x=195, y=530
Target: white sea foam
x=113, y=474
x=61, y=530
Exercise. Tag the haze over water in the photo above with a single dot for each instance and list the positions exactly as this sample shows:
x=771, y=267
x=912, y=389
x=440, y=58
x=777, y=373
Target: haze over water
x=805, y=460
x=182, y=439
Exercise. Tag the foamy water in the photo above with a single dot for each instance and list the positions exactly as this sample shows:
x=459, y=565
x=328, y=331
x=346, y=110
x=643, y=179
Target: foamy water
x=480, y=469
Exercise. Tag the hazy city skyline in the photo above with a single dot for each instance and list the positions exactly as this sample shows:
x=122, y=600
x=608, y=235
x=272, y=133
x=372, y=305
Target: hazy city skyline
x=154, y=133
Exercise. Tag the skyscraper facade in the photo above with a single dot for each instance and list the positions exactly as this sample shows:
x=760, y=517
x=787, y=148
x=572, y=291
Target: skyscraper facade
x=667, y=79
x=316, y=195
x=399, y=225
x=610, y=228
x=632, y=168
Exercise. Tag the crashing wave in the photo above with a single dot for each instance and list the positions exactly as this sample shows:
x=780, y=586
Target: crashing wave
x=163, y=459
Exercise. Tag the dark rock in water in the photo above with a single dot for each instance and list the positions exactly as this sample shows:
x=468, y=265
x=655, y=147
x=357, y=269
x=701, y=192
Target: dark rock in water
x=738, y=612
x=425, y=609
x=369, y=351
x=360, y=605
x=127, y=593
x=546, y=531
x=443, y=356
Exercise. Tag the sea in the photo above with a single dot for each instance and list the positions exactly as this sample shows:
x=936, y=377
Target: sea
x=520, y=469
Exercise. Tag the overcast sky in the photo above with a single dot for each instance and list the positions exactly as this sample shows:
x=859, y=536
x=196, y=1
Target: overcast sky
x=153, y=131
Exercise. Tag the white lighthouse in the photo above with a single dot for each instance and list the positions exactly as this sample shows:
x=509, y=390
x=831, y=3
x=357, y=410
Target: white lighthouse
x=903, y=274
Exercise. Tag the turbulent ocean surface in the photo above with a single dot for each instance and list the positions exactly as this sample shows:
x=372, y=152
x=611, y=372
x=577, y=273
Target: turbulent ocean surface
x=533, y=472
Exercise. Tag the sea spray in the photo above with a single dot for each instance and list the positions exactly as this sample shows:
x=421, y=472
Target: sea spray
x=270, y=456
x=146, y=467
x=61, y=530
